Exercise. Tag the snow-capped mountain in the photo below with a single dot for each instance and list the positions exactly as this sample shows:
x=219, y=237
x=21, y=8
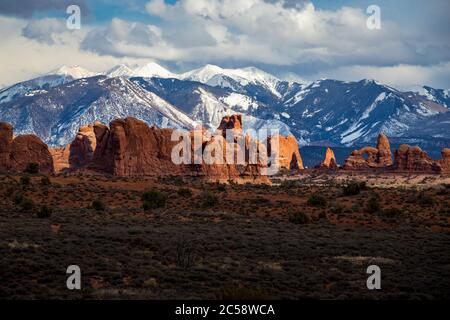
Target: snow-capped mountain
x=38, y=85
x=56, y=115
x=208, y=105
x=325, y=112
x=349, y=113
x=439, y=96
x=233, y=78
x=151, y=70
x=120, y=70
x=73, y=72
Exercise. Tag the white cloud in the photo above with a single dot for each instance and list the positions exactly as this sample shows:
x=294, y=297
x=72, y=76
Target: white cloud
x=399, y=76
x=45, y=30
x=22, y=58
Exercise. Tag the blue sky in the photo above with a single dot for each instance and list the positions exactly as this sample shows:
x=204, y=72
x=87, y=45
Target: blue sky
x=296, y=39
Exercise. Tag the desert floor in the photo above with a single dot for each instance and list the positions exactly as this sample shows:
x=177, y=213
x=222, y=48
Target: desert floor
x=302, y=237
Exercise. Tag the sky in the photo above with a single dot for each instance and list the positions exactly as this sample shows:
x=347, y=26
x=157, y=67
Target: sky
x=299, y=40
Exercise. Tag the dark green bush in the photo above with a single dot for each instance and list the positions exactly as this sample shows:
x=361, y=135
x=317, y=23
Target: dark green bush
x=234, y=292
x=299, y=218
x=221, y=187
x=354, y=188
x=424, y=199
x=391, y=213
x=184, y=192
x=27, y=204
x=45, y=181
x=373, y=205
x=25, y=180
x=209, y=199
x=44, y=212
x=317, y=200
x=32, y=168
x=18, y=198
x=337, y=208
x=98, y=205
x=153, y=199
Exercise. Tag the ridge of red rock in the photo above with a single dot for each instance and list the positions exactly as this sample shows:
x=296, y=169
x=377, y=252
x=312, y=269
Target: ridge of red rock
x=17, y=153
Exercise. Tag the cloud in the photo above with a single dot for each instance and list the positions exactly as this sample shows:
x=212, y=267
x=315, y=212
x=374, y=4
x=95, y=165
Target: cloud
x=400, y=76
x=34, y=58
x=122, y=38
x=290, y=33
x=26, y=8
x=44, y=30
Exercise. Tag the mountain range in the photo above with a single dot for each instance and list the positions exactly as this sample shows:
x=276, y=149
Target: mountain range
x=322, y=113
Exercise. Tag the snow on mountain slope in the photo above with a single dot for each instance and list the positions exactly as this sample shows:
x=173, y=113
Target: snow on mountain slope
x=440, y=96
x=120, y=70
x=349, y=113
x=217, y=76
x=74, y=72
x=153, y=69
x=41, y=84
x=56, y=115
x=208, y=105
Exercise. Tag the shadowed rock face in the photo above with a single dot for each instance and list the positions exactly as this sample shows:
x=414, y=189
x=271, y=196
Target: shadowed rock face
x=26, y=149
x=330, y=160
x=231, y=122
x=445, y=161
x=6, y=137
x=369, y=157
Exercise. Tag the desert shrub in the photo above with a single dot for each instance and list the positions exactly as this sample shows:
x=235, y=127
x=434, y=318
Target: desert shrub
x=391, y=212
x=424, y=199
x=353, y=188
x=299, y=218
x=44, y=212
x=373, y=205
x=32, y=168
x=27, y=204
x=235, y=292
x=336, y=208
x=260, y=200
x=18, y=198
x=185, y=254
x=221, y=187
x=98, y=205
x=153, y=199
x=45, y=181
x=317, y=200
x=25, y=180
x=184, y=192
x=209, y=199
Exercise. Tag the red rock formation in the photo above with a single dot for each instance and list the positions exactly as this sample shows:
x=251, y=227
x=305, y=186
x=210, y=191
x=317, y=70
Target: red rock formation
x=83, y=146
x=16, y=154
x=28, y=149
x=130, y=148
x=60, y=158
x=409, y=158
x=231, y=122
x=330, y=160
x=6, y=137
x=445, y=161
x=369, y=157
x=384, y=155
x=288, y=152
